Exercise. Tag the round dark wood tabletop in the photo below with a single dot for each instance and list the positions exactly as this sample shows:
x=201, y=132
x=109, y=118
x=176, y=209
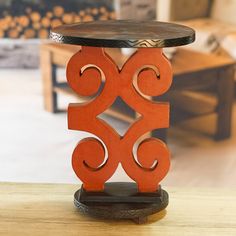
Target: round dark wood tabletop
x=124, y=34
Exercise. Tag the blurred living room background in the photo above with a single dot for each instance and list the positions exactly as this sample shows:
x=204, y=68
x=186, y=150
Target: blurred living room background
x=36, y=145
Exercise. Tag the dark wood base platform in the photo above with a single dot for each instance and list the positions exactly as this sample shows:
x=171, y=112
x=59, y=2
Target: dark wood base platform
x=121, y=200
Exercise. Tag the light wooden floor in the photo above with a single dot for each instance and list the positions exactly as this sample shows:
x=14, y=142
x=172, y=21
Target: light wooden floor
x=36, y=146
x=48, y=210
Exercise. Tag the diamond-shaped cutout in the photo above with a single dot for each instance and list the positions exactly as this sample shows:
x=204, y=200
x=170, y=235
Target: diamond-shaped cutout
x=119, y=116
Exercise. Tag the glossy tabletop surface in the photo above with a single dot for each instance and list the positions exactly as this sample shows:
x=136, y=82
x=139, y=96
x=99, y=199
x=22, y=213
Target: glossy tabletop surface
x=124, y=34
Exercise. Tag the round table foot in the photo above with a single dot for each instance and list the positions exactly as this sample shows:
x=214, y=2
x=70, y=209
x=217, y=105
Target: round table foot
x=121, y=201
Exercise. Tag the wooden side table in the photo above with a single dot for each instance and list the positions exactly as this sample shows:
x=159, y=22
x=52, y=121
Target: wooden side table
x=145, y=74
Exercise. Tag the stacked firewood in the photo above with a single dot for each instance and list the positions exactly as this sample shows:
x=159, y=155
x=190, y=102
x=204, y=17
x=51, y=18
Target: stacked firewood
x=34, y=24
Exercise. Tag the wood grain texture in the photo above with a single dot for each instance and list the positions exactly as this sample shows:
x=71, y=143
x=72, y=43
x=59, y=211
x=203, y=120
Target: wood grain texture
x=47, y=209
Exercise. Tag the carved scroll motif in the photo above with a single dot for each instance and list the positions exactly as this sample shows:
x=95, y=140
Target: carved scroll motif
x=85, y=72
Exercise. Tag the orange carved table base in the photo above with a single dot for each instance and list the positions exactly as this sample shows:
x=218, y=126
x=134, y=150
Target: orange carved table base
x=146, y=73
x=95, y=160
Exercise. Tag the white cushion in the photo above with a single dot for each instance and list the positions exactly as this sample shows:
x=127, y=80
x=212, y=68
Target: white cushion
x=205, y=38
x=210, y=34
x=224, y=10
x=229, y=44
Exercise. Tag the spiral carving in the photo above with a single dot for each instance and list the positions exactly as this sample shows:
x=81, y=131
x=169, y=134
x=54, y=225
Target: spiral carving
x=89, y=156
x=84, y=83
x=150, y=151
x=152, y=83
x=153, y=164
x=85, y=72
x=85, y=150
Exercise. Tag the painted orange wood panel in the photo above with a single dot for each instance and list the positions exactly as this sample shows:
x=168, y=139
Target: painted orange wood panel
x=95, y=160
